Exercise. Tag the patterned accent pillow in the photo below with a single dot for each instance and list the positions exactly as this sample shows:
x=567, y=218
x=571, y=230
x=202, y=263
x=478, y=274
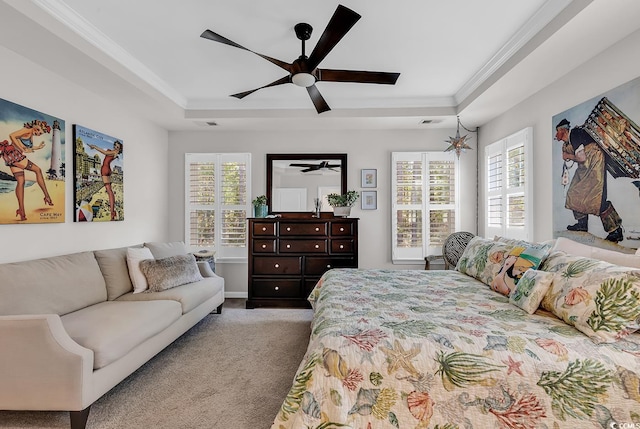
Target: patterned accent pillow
x=483, y=258
x=600, y=299
x=523, y=257
x=530, y=290
x=163, y=274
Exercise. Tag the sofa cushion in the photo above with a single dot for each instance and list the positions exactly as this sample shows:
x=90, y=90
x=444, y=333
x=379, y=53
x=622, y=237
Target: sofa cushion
x=189, y=296
x=170, y=272
x=113, y=328
x=134, y=257
x=55, y=285
x=113, y=264
x=601, y=300
x=164, y=250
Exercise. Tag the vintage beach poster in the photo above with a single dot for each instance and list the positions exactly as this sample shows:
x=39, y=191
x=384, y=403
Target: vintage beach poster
x=32, y=169
x=99, y=193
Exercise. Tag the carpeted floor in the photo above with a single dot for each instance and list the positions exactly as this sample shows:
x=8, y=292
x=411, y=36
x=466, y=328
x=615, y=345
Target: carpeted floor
x=231, y=371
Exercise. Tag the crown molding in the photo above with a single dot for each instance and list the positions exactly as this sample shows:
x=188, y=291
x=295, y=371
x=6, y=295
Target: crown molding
x=88, y=32
x=549, y=10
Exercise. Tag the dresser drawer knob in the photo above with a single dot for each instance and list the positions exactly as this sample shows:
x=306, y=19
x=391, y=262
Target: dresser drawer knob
x=317, y=229
x=317, y=246
x=288, y=246
x=277, y=288
x=264, y=246
x=341, y=229
x=342, y=246
x=264, y=228
x=328, y=265
x=288, y=228
x=277, y=265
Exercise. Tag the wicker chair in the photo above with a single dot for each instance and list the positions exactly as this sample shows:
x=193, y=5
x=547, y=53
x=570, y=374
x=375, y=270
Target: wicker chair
x=453, y=247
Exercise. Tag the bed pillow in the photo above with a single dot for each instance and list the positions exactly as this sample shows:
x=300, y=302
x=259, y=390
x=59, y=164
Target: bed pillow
x=530, y=290
x=134, y=257
x=166, y=273
x=579, y=249
x=483, y=258
x=523, y=257
x=600, y=299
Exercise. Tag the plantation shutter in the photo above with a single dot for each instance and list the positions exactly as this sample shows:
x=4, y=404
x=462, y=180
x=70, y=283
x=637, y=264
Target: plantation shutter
x=217, y=203
x=423, y=203
x=508, y=187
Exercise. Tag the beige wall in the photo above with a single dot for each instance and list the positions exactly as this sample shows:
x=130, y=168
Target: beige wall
x=145, y=162
x=619, y=64
x=365, y=149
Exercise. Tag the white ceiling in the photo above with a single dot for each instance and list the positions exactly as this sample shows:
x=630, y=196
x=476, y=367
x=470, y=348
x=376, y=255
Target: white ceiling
x=454, y=56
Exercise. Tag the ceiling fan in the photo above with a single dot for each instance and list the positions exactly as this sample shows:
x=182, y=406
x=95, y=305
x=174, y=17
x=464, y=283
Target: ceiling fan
x=316, y=167
x=304, y=71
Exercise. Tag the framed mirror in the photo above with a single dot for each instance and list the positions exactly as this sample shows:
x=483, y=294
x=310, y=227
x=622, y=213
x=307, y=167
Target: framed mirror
x=294, y=181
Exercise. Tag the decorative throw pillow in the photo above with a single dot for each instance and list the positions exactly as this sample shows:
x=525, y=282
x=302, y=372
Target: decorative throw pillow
x=163, y=274
x=578, y=249
x=162, y=250
x=134, y=257
x=520, y=259
x=600, y=299
x=530, y=290
x=483, y=258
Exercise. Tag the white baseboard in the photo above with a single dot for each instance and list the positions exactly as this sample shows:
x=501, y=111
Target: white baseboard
x=243, y=295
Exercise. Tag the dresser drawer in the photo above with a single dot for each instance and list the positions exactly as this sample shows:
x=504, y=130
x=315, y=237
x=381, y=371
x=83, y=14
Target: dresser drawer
x=317, y=266
x=303, y=246
x=291, y=228
x=276, y=288
x=264, y=246
x=341, y=229
x=341, y=246
x=264, y=228
x=276, y=265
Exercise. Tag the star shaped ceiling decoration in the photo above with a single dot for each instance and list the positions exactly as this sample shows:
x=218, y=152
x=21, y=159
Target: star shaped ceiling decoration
x=457, y=143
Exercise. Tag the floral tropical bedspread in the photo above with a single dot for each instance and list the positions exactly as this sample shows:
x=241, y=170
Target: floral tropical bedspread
x=439, y=349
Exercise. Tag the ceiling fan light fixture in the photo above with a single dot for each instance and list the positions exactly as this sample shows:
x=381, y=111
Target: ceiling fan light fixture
x=303, y=80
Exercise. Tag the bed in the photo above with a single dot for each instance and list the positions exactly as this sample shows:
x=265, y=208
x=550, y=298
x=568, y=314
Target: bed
x=441, y=349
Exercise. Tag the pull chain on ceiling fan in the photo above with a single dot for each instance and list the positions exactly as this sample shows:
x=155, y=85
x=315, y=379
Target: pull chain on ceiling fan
x=304, y=71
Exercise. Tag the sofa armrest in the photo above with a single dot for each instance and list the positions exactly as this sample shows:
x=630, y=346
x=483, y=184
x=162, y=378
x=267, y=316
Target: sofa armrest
x=41, y=366
x=205, y=269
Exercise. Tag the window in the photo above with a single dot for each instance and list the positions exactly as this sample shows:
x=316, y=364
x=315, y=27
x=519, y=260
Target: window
x=508, y=185
x=424, y=207
x=217, y=203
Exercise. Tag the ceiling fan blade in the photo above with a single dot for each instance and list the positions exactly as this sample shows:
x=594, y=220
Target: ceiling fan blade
x=339, y=24
x=280, y=81
x=208, y=34
x=384, y=78
x=318, y=100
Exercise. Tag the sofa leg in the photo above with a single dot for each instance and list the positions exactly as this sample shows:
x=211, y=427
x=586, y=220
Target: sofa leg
x=219, y=309
x=79, y=418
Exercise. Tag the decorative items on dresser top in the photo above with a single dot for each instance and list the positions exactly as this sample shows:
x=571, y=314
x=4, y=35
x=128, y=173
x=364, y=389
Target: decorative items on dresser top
x=288, y=254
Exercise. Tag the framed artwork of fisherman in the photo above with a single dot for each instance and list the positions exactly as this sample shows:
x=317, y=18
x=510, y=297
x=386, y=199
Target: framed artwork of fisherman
x=596, y=164
x=99, y=193
x=32, y=168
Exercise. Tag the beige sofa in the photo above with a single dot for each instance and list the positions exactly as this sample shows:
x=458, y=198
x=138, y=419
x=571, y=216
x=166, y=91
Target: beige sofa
x=71, y=328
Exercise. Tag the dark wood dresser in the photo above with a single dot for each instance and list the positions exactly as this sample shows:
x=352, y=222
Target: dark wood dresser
x=287, y=256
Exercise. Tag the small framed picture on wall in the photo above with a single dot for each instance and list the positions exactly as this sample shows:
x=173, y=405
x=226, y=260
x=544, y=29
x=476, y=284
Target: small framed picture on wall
x=369, y=200
x=369, y=178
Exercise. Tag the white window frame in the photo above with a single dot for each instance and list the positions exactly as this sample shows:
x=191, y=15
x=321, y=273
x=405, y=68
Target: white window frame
x=522, y=138
x=417, y=254
x=223, y=253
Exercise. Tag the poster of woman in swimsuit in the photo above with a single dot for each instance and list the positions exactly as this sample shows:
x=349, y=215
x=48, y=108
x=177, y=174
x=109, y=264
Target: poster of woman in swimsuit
x=32, y=166
x=98, y=187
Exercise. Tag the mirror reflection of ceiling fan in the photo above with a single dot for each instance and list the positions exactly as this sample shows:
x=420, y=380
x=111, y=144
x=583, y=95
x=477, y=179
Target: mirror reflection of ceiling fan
x=315, y=167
